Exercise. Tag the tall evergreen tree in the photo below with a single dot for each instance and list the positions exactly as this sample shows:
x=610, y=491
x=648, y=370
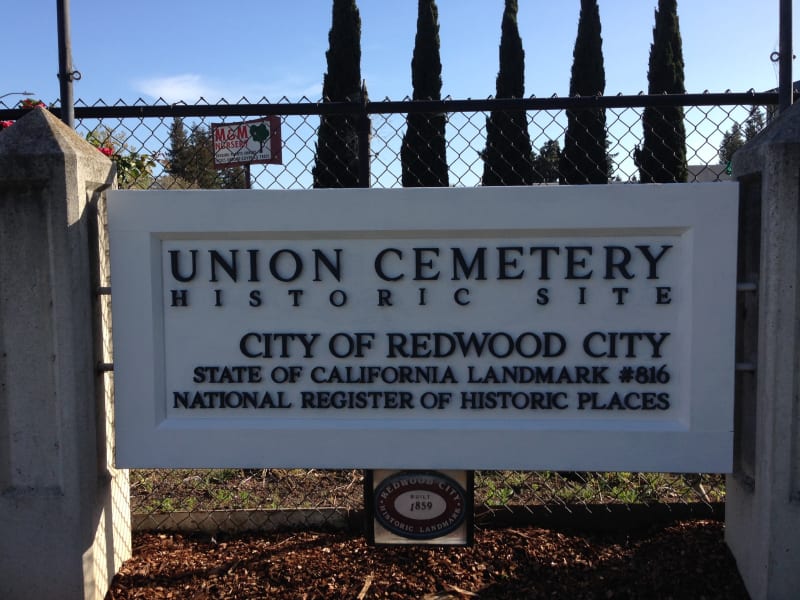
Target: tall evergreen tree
x=423, y=155
x=337, y=142
x=738, y=136
x=508, y=157
x=585, y=155
x=731, y=142
x=754, y=123
x=178, y=155
x=546, y=163
x=662, y=157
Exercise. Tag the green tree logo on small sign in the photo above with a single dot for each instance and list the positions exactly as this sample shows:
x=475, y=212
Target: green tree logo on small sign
x=260, y=134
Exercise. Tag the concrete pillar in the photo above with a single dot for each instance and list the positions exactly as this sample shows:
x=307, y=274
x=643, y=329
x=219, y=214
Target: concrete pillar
x=64, y=510
x=763, y=494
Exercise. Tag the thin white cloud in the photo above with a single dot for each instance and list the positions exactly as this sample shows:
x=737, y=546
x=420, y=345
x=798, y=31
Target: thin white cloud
x=187, y=87
x=190, y=87
x=292, y=90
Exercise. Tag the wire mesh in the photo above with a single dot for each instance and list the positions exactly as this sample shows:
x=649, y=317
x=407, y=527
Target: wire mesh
x=174, y=151
x=242, y=499
x=186, y=162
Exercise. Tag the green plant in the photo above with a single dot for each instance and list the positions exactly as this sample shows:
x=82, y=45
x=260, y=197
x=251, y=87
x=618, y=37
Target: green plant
x=222, y=495
x=166, y=505
x=497, y=494
x=31, y=103
x=134, y=169
x=27, y=103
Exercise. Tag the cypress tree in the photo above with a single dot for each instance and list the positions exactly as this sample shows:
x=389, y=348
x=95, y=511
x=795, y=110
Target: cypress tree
x=508, y=157
x=423, y=154
x=585, y=157
x=662, y=157
x=337, y=142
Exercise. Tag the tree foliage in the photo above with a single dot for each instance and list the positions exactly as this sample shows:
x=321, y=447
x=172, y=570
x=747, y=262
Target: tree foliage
x=546, y=163
x=337, y=143
x=190, y=160
x=737, y=136
x=662, y=157
x=754, y=123
x=585, y=155
x=732, y=140
x=507, y=159
x=423, y=154
x=134, y=168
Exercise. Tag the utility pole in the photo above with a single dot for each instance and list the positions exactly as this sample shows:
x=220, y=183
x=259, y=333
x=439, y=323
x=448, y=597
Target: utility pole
x=786, y=55
x=65, y=72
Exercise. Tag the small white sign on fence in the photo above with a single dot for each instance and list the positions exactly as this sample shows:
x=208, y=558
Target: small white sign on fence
x=569, y=328
x=246, y=143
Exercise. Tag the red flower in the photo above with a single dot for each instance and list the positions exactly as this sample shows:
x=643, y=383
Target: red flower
x=106, y=150
x=5, y=124
x=28, y=103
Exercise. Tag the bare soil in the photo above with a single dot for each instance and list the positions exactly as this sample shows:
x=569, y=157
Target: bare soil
x=681, y=560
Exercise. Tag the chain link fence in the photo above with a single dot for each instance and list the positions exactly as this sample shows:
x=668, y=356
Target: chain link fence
x=169, y=146
x=236, y=500
x=150, y=155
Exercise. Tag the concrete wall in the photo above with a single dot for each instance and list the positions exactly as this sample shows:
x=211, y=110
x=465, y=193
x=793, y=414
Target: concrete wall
x=64, y=511
x=763, y=494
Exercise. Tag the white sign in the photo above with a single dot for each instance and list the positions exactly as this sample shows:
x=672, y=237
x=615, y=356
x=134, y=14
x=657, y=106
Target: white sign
x=250, y=142
x=569, y=328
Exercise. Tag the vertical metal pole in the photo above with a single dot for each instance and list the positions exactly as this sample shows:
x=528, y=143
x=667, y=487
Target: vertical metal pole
x=364, y=131
x=65, y=63
x=785, y=84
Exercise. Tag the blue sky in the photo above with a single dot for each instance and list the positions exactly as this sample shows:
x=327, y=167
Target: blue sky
x=182, y=50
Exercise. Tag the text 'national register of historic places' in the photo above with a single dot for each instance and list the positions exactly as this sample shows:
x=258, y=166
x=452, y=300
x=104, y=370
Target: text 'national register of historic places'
x=570, y=328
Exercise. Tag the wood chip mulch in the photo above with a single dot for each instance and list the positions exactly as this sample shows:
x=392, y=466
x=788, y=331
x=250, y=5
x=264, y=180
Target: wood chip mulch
x=684, y=560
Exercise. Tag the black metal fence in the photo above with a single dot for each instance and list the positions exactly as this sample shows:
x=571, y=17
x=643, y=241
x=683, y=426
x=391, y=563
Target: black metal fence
x=144, y=130
x=143, y=139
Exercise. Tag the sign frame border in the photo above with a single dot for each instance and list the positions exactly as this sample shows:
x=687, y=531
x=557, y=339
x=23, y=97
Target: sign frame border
x=275, y=143
x=139, y=220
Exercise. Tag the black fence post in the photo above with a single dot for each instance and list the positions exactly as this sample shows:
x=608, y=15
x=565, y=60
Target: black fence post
x=785, y=56
x=65, y=72
x=364, y=131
